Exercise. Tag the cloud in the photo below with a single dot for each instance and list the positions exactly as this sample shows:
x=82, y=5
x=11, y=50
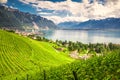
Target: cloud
x=58, y=19
x=3, y=1
x=76, y=11
x=112, y=1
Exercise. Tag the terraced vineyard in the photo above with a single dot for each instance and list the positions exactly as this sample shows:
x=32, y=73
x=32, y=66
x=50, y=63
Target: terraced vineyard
x=22, y=58
x=96, y=68
x=21, y=55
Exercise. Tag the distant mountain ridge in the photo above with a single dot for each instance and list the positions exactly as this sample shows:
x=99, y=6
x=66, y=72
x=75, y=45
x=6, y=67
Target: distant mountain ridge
x=13, y=18
x=108, y=23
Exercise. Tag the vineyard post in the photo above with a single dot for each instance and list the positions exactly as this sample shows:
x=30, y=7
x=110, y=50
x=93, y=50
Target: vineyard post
x=27, y=77
x=16, y=78
x=75, y=75
x=44, y=74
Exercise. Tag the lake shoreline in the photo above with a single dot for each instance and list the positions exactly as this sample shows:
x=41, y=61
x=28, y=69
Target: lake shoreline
x=92, y=29
x=84, y=35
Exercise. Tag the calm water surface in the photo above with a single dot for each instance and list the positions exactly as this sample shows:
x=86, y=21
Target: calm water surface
x=85, y=36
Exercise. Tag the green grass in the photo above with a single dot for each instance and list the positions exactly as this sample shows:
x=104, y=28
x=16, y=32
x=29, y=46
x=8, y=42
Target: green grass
x=20, y=55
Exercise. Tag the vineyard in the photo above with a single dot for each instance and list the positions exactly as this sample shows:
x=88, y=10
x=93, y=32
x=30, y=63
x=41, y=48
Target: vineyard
x=22, y=58
x=97, y=68
x=21, y=55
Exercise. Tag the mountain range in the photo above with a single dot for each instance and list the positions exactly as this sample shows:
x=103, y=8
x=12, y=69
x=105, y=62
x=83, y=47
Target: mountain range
x=108, y=23
x=15, y=19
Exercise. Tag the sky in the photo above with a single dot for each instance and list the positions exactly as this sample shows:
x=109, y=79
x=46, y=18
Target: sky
x=68, y=10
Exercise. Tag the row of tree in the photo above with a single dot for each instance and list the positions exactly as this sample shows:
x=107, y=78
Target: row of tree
x=82, y=48
x=89, y=48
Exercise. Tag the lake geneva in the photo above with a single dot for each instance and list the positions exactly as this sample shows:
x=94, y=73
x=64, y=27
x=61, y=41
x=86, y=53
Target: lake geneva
x=85, y=36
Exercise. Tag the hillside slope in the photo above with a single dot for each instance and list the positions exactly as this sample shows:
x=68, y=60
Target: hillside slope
x=98, y=68
x=108, y=23
x=15, y=19
x=21, y=54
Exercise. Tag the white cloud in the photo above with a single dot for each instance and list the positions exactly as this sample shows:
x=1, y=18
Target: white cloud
x=79, y=11
x=3, y=1
x=58, y=19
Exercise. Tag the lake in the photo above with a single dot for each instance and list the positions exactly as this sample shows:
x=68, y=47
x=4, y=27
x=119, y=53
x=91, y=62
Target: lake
x=84, y=36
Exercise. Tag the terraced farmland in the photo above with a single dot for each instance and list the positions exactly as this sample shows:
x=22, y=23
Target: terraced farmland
x=22, y=58
x=20, y=55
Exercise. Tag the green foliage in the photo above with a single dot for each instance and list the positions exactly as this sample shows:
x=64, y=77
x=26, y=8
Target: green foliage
x=12, y=31
x=21, y=56
x=97, y=68
x=87, y=48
